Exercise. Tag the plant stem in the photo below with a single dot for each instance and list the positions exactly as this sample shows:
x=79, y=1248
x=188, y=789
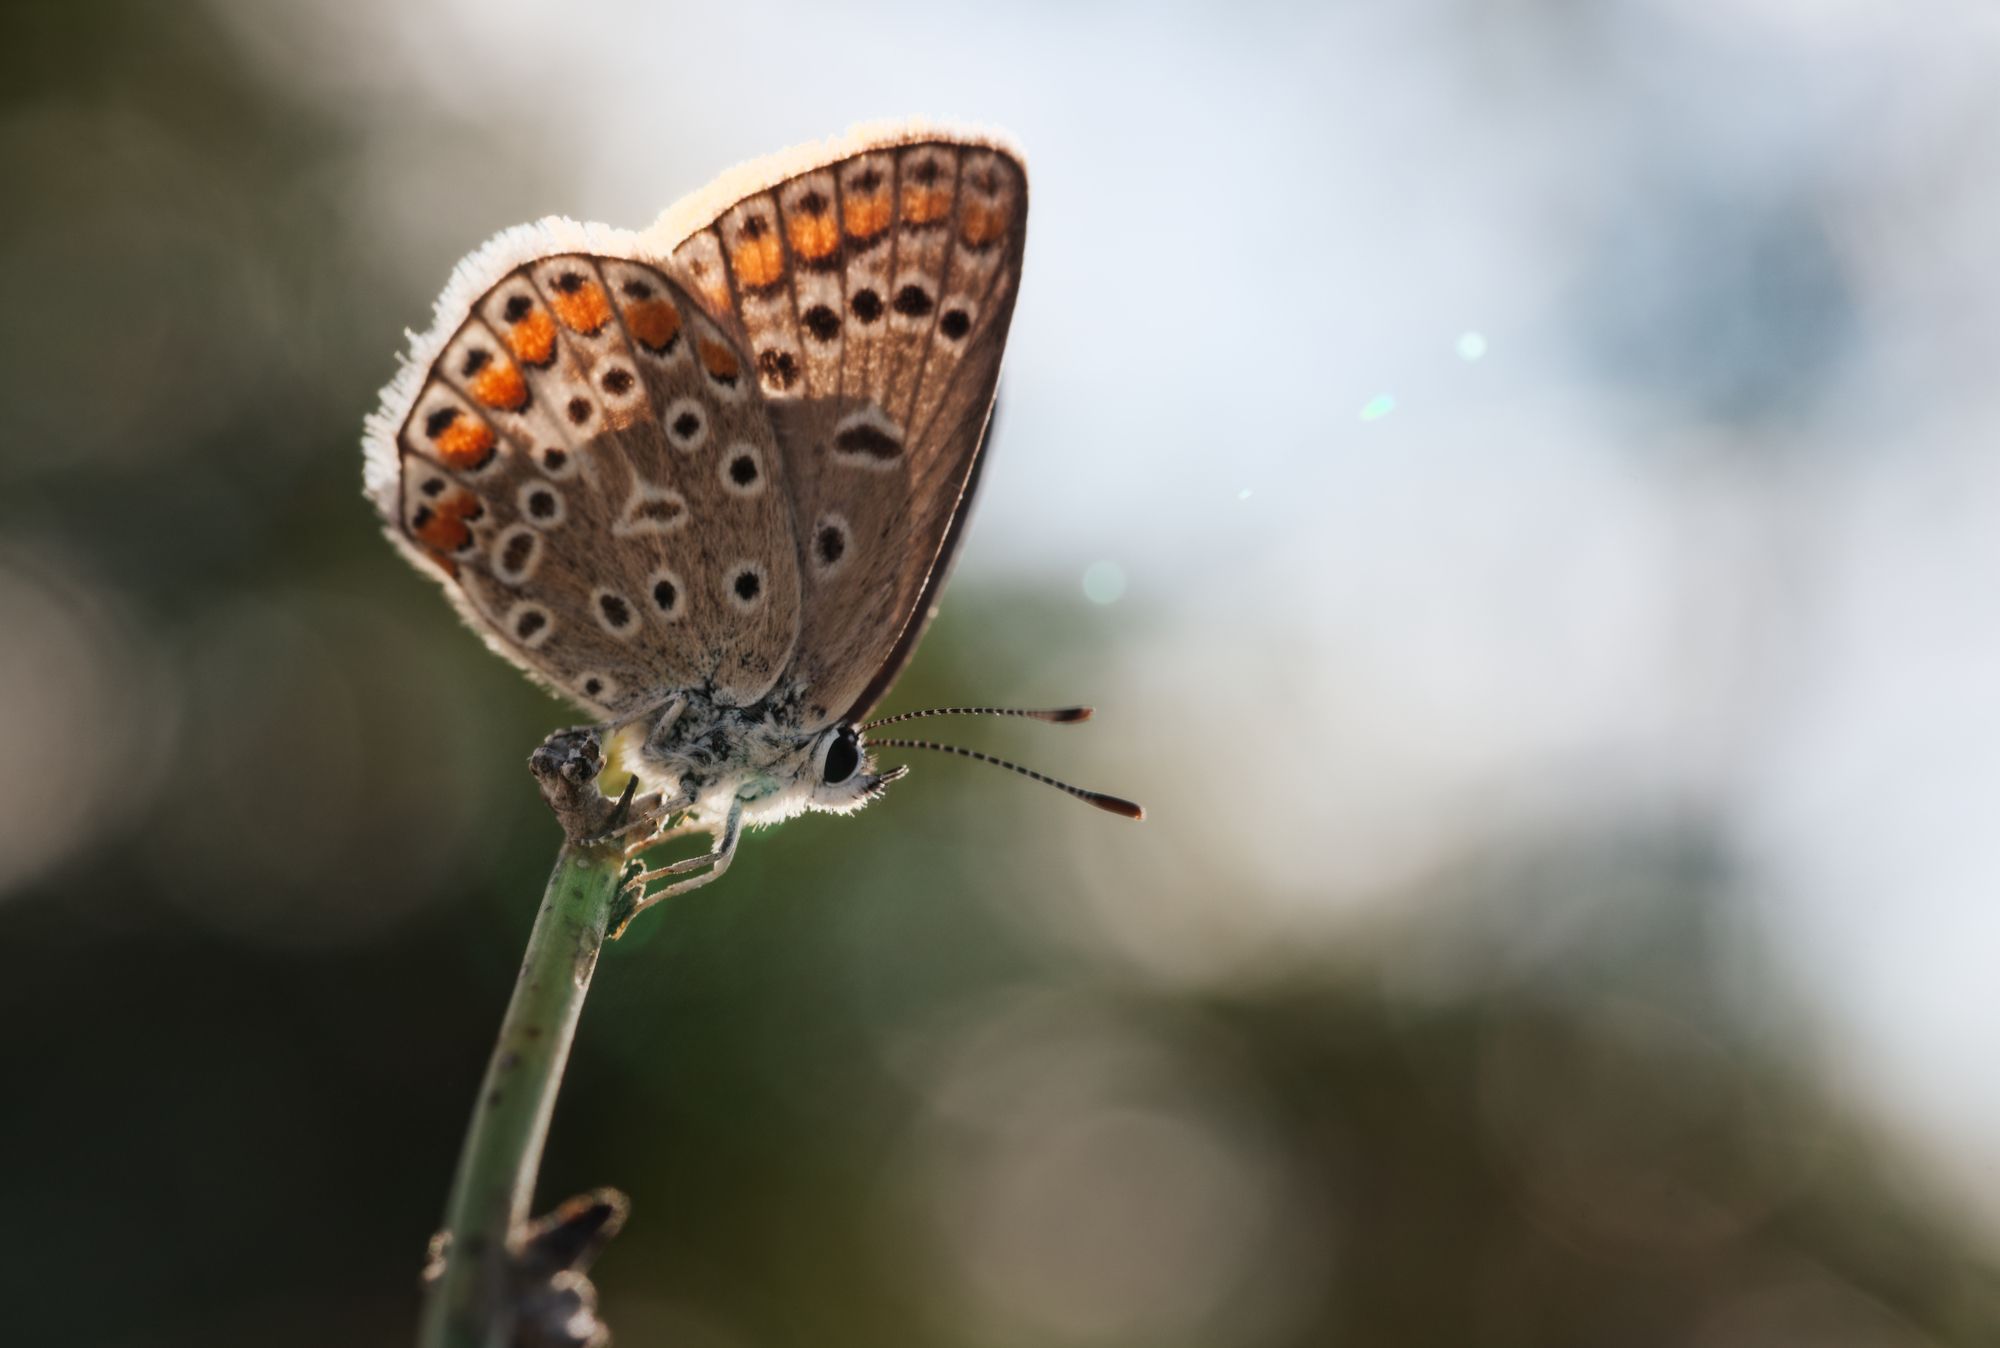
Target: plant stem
x=471, y=1303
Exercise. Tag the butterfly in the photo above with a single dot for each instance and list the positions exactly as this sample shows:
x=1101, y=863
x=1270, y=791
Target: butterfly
x=707, y=480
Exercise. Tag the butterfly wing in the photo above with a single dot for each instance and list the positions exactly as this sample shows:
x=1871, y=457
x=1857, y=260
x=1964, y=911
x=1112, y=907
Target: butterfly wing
x=582, y=455
x=899, y=654
x=872, y=282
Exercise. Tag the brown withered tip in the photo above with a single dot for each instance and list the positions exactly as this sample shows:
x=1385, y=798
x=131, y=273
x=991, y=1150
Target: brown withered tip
x=1131, y=809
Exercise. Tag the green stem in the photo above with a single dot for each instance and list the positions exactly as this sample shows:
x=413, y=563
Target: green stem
x=469, y=1306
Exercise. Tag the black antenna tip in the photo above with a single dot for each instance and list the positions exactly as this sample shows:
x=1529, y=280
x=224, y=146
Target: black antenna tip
x=1114, y=804
x=1069, y=715
x=1131, y=809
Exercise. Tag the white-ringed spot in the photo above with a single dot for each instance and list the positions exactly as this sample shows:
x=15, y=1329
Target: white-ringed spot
x=529, y=624
x=686, y=423
x=668, y=595
x=828, y=548
x=618, y=383
x=651, y=509
x=614, y=612
x=599, y=688
x=557, y=462
x=540, y=504
x=516, y=553
x=741, y=470
x=743, y=585
x=867, y=438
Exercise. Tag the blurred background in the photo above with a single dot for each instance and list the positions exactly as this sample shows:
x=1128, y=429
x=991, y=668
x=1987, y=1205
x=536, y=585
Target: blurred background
x=1517, y=478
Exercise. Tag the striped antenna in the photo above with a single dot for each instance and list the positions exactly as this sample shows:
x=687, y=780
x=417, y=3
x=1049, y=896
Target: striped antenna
x=1115, y=804
x=1053, y=715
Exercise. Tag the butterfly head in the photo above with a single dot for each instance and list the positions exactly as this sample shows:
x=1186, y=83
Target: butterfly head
x=843, y=776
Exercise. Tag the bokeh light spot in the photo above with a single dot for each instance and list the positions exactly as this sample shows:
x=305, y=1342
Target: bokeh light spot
x=1104, y=582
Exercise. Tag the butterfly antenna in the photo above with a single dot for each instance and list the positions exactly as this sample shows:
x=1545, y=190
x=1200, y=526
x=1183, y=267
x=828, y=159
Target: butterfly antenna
x=1115, y=804
x=1052, y=715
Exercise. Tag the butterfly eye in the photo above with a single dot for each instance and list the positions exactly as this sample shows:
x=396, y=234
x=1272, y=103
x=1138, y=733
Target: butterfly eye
x=842, y=758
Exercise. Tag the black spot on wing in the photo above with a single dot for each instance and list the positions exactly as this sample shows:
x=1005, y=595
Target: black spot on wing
x=868, y=439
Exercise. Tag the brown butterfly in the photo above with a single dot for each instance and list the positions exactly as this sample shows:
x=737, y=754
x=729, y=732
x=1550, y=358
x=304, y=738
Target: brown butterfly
x=707, y=480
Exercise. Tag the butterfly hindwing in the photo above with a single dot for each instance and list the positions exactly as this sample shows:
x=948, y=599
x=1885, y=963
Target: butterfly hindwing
x=872, y=290
x=588, y=462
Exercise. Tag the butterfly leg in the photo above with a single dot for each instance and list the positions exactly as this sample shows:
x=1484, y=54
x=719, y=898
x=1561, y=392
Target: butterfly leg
x=719, y=855
x=652, y=840
x=652, y=829
x=634, y=899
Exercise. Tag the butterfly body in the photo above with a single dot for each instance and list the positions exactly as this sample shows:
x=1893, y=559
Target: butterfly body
x=706, y=759
x=706, y=480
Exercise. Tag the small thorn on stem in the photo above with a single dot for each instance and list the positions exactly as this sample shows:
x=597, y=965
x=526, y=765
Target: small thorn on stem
x=624, y=804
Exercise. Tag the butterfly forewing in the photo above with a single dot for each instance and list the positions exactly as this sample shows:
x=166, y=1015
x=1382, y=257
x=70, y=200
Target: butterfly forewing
x=873, y=293
x=590, y=465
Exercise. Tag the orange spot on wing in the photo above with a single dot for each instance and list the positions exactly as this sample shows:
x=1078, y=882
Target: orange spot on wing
x=759, y=261
x=584, y=309
x=500, y=386
x=445, y=533
x=465, y=444
x=443, y=529
x=866, y=216
x=533, y=338
x=981, y=224
x=813, y=236
x=720, y=361
x=921, y=204
x=654, y=322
